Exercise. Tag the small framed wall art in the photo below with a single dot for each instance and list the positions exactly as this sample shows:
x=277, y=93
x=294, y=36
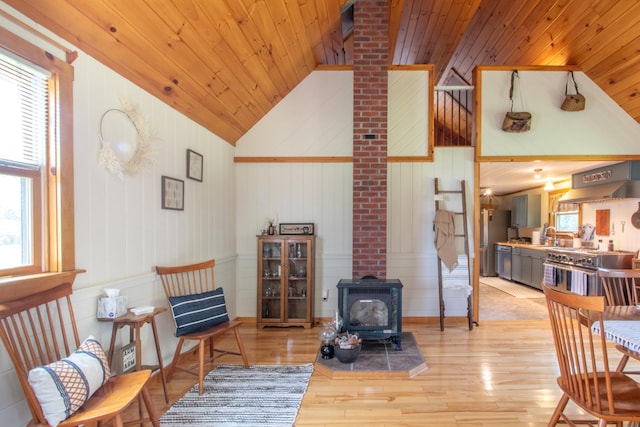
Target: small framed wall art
x=194, y=165
x=297, y=228
x=172, y=193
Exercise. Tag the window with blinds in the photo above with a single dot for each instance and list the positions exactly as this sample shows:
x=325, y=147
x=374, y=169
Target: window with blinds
x=24, y=119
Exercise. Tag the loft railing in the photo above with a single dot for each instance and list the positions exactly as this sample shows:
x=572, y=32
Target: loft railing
x=453, y=116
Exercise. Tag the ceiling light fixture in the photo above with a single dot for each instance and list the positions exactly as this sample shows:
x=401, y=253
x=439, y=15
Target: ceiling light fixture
x=538, y=174
x=549, y=185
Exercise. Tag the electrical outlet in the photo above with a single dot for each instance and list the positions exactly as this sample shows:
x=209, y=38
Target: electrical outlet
x=325, y=295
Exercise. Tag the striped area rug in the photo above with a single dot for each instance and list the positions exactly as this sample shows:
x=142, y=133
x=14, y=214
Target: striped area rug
x=235, y=396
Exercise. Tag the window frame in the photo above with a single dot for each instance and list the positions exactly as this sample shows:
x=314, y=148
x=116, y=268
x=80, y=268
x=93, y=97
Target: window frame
x=35, y=175
x=57, y=225
x=553, y=197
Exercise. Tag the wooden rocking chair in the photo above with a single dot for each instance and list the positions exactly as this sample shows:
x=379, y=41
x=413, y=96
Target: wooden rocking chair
x=40, y=329
x=190, y=280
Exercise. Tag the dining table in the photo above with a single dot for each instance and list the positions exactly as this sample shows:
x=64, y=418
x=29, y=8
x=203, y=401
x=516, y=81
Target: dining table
x=622, y=326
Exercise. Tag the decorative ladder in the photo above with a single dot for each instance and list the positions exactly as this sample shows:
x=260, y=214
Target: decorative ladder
x=439, y=199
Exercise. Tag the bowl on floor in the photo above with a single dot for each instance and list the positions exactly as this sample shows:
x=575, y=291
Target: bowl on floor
x=347, y=355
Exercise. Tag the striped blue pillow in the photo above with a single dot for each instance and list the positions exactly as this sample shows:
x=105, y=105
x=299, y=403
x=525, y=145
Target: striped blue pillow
x=197, y=312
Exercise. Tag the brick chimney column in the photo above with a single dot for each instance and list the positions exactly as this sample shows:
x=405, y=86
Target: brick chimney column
x=370, y=68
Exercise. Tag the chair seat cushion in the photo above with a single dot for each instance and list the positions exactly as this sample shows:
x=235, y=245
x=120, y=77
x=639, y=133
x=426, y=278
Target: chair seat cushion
x=197, y=312
x=62, y=387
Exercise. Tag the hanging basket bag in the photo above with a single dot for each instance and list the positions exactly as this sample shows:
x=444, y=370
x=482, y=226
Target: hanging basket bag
x=572, y=102
x=516, y=122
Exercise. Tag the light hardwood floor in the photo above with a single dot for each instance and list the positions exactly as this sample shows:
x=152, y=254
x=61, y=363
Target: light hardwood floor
x=502, y=373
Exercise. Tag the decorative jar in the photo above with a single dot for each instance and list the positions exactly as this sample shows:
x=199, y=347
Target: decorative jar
x=327, y=335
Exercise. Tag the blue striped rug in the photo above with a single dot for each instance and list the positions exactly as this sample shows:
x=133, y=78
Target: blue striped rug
x=235, y=396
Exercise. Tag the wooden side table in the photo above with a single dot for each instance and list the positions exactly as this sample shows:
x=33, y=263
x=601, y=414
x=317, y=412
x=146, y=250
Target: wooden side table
x=135, y=322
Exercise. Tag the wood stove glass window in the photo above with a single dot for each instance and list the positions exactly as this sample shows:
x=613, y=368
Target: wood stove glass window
x=369, y=312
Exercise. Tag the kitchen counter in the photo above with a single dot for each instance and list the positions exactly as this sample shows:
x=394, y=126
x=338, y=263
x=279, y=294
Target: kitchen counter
x=523, y=263
x=526, y=245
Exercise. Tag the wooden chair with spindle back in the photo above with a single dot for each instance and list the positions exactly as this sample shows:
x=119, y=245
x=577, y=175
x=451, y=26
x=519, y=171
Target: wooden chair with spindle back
x=39, y=330
x=190, y=280
x=585, y=377
x=620, y=287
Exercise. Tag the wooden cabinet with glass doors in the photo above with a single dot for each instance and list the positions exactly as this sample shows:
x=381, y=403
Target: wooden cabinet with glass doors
x=285, y=280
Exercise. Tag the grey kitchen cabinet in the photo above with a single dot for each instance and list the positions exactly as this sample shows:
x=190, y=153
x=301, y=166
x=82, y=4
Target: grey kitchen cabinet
x=525, y=210
x=519, y=210
x=521, y=265
x=527, y=266
x=537, y=269
x=516, y=264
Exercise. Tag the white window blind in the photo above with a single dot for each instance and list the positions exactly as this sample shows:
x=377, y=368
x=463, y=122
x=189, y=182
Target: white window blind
x=23, y=113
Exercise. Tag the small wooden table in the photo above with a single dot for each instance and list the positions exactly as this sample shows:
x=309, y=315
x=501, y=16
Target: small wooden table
x=135, y=322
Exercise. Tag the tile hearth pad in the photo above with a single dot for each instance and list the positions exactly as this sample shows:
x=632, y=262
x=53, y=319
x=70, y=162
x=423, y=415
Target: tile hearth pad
x=379, y=359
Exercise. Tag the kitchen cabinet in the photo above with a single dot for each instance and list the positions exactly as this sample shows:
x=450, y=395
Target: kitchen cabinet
x=525, y=210
x=285, y=280
x=527, y=266
x=537, y=269
x=516, y=265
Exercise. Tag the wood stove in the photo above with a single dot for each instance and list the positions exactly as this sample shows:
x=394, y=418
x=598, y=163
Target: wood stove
x=372, y=308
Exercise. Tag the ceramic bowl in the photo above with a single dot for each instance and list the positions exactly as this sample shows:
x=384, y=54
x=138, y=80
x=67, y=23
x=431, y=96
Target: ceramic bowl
x=347, y=355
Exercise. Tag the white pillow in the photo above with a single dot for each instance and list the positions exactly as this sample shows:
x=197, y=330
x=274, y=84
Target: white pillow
x=62, y=387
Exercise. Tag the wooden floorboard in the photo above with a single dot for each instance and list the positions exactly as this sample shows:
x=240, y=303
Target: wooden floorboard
x=502, y=373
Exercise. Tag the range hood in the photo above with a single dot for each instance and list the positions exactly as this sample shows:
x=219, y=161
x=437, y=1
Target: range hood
x=617, y=181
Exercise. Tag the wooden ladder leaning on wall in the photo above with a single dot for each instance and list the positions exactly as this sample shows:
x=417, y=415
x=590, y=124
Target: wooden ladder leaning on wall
x=440, y=204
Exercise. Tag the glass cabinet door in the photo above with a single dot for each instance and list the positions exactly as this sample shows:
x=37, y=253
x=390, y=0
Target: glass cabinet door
x=285, y=281
x=271, y=281
x=297, y=280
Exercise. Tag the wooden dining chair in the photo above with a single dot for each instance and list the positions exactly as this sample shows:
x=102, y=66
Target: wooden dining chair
x=57, y=372
x=190, y=290
x=585, y=377
x=620, y=287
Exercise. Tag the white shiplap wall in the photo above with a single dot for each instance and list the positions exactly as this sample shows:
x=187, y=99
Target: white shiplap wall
x=322, y=192
x=602, y=128
x=121, y=231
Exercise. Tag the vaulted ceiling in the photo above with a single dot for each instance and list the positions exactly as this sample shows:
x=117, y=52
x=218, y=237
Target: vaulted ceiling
x=226, y=63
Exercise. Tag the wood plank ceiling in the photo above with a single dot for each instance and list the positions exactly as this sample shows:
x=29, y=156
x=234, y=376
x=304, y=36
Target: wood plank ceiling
x=226, y=63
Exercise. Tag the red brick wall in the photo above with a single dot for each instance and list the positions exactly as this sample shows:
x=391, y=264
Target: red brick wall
x=371, y=52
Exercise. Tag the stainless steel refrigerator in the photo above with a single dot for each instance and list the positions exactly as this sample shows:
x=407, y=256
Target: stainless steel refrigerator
x=493, y=228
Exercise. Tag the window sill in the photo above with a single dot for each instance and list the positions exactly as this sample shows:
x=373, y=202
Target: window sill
x=15, y=287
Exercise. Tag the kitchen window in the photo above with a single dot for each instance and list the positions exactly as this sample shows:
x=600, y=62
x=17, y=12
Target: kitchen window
x=567, y=222
x=566, y=217
x=36, y=153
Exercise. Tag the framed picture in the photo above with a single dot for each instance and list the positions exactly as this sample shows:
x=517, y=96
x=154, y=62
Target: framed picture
x=172, y=193
x=297, y=228
x=126, y=358
x=194, y=165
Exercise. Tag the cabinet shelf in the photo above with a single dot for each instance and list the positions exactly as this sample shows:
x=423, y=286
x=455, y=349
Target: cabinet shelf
x=292, y=259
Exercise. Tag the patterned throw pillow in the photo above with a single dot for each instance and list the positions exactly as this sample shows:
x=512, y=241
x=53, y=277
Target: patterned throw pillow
x=62, y=387
x=197, y=312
